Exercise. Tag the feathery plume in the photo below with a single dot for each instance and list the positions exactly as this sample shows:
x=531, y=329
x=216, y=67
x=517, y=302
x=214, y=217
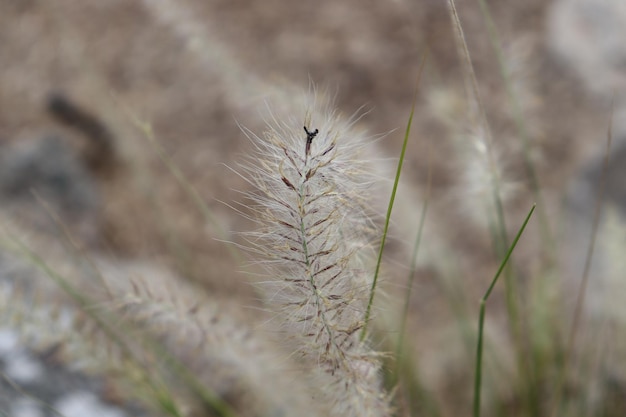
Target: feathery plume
x=209, y=338
x=310, y=201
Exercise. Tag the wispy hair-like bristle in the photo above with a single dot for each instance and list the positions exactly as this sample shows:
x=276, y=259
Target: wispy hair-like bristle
x=310, y=193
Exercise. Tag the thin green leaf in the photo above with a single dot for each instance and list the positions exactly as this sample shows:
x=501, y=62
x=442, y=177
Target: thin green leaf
x=481, y=320
x=368, y=311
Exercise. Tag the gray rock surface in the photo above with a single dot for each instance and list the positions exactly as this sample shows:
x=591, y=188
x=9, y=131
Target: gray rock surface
x=33, y=385
x=36, y=384
x=50, y=169
x=588, y=35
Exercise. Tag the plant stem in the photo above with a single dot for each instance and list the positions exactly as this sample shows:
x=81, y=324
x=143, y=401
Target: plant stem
x=481, y=319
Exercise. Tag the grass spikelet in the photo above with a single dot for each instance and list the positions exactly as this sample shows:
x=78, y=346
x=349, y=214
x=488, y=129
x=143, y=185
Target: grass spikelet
x=162, y=341
x=482, y=167
x=309, y=200
x=217, y=354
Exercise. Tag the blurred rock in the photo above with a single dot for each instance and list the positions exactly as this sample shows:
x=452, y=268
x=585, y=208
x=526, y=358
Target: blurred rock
x=48, y=168
x=589, y=36
x=601, y=329
x=54, y=389
x=606, y=286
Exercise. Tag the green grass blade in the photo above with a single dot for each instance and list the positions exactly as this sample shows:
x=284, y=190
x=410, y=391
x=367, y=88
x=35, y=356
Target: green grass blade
x=481, y=320
x=413, y=266
x=405, y=366
x=368, y=311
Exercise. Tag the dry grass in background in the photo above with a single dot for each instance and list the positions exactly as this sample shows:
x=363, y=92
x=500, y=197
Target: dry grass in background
x=167, y=83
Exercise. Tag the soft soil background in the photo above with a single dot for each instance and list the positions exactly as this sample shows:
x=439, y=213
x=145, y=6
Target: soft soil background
x=193, y=70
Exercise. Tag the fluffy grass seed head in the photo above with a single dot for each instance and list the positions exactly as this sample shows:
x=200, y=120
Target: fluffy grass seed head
x=482, y=177
x=309, y=198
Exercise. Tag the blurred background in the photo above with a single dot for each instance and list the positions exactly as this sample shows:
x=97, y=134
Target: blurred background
x=93, y=93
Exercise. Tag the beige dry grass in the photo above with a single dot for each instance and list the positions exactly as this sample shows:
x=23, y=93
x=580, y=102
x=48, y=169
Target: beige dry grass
x=194, y=69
